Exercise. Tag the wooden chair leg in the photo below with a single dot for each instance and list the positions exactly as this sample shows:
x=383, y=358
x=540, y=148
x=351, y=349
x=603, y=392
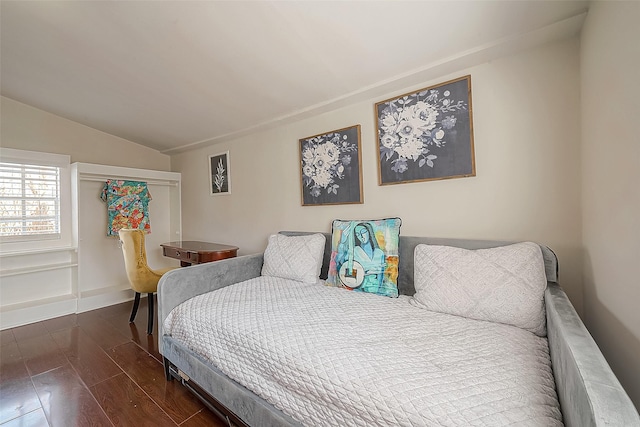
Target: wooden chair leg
x=150, y=303
x=134, y=310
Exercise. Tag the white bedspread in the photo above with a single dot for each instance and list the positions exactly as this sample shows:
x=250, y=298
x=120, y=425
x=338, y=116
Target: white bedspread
x=330, y=357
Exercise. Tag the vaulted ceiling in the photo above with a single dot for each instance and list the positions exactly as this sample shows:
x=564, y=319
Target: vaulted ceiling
x=176, y=75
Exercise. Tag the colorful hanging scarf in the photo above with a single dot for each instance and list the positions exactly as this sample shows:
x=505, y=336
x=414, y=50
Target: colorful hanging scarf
x=127, y=205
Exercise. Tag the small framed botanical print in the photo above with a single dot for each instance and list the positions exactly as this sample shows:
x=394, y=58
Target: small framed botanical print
x=219, y=174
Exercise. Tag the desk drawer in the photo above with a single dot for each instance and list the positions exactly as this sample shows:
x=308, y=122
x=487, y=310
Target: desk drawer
x=182, y=255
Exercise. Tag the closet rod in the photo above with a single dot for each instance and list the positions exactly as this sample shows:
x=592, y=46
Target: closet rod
x=149, y=182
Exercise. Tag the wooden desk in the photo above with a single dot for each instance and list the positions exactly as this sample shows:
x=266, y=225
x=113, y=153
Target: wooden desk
x=192, y=252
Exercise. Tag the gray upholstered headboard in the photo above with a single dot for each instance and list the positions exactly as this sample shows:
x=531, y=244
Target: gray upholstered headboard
x=408, y=244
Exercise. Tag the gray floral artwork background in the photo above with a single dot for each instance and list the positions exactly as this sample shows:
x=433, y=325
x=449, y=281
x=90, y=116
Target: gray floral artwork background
x=331, y=169
x=219, y=174
x=427, y=134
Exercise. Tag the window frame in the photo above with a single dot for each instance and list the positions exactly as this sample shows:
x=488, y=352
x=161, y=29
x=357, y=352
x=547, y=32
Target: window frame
x=42, y=241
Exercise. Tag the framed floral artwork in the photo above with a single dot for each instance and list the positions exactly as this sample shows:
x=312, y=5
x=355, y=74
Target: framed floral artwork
x=331, y=168
x=426, y=135
x=219, y=174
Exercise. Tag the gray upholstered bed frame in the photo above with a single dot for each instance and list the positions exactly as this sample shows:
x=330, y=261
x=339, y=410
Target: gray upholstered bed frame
x=589, y=392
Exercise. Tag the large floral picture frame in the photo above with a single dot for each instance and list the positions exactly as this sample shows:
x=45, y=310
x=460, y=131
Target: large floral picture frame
x=331, y=167
x=219, y=174
x=426, y=135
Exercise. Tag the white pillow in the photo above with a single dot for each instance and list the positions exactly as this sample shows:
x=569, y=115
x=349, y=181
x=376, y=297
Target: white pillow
x=504, y=284
x=294, y=257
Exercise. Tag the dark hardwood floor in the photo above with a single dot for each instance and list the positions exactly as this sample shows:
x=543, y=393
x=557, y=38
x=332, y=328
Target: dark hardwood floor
x=91, y=369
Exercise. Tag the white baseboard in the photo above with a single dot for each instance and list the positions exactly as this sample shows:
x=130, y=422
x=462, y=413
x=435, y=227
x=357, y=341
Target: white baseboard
x=93, y=300
x=21, y=314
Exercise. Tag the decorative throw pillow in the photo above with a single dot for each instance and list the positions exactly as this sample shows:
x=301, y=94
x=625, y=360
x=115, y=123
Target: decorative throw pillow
x=364, y=256
x=294, y=257
x=504, y=284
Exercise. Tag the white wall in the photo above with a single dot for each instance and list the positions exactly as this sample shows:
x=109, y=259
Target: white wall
x=28, y=128
x=526, y=127
x=610, y=89
x=26, y=293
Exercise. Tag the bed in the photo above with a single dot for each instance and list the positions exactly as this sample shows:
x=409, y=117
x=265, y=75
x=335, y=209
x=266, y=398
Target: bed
x=263, y=350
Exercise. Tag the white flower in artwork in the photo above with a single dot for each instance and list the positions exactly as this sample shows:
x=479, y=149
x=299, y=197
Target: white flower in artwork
x=389, y=121
x=323, y=177
x=329, y=154
x=425, y=114
x=308, y=155
x=410, y=148
x=389, y=140
x=308, y=170
x=406, y=129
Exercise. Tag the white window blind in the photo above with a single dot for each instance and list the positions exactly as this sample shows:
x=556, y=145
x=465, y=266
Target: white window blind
x=29, y=200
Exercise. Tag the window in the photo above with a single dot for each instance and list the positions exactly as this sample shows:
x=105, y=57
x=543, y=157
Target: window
x=34, y=199
x=29, y=200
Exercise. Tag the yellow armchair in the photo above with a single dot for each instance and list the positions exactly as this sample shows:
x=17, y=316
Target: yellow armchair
x=142, y=278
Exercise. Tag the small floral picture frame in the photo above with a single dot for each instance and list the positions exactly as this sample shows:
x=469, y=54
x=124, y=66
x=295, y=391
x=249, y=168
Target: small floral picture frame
x=219, y=174
x=426, y=135
x=331, y=168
